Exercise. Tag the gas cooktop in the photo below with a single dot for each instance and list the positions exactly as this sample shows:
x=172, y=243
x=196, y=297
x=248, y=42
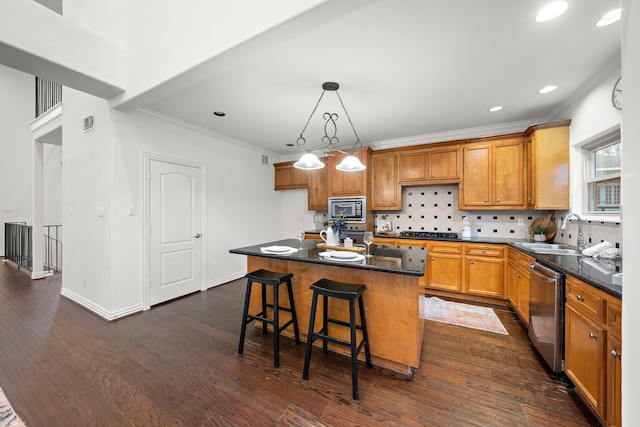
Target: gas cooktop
x=429, y=235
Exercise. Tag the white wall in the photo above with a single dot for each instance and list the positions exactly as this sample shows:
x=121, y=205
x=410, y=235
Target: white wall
x=631, y=210
x=17, y=109
x=104, y=167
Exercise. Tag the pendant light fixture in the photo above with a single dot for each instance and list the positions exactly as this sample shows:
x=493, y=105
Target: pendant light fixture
x=310, y=161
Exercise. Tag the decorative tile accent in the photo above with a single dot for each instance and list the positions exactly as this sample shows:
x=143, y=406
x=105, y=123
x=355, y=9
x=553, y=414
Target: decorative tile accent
x=435, y=208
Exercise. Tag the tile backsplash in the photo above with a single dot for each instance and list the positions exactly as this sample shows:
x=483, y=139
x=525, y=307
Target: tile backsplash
x=435, y=208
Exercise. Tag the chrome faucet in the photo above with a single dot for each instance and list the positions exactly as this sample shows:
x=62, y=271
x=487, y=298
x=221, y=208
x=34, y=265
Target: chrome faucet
x=570, y=215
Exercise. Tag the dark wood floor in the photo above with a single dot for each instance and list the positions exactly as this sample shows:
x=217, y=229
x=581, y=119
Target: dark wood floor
x=176, y=364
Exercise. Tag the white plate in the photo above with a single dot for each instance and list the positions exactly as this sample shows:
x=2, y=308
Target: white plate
x=277, y=249
x=329, y=256
x=343, y=254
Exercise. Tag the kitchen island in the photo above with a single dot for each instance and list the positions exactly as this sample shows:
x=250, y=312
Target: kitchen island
x=391, y=299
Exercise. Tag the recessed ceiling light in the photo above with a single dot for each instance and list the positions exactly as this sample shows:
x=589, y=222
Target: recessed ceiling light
x=219, y=113
x=552, y=11
x=548, y=89
x=496, y=108
x=609, y=18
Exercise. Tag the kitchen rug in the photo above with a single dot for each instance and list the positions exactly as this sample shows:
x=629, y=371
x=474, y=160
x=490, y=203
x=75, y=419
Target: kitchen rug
x=456, y=313
x=8, y=417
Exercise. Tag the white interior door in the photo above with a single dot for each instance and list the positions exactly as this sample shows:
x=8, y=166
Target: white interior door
x=175, y=243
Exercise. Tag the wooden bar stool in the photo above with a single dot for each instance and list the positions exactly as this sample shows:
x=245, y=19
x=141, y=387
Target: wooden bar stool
x=273, y=279
x=346, y=291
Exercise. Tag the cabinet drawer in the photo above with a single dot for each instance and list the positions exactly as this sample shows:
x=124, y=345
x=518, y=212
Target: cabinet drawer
x=524, y=261
x=485, y=250
x=445, y=248
x=584, y=300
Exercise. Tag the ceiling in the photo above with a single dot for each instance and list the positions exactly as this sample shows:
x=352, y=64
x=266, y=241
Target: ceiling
x=406, y=69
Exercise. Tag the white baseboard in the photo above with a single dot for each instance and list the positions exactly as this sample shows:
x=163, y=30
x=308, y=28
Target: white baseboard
x=100, y=311
x=225, y=279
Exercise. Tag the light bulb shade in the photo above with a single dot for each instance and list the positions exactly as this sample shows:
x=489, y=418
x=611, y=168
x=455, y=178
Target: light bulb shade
x=351, y=164
x=308, y=162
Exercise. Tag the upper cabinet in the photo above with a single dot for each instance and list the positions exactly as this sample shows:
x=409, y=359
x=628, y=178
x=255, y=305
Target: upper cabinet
x=493, y=175
x=348, y=183
x=287, y=177
x=548, y=166
x=430, y=166
x=317, y=198
x=386, y=192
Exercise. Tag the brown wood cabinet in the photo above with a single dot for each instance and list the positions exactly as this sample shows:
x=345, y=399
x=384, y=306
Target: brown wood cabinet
x=493, y=175
x=548, y=166
x=484, y=270
x=518, y=281
x=593, y=348
x=288, y=178
x=348, y=183
x=317, y=198
x=386, y=192
x=431, y=166
x=444, y=266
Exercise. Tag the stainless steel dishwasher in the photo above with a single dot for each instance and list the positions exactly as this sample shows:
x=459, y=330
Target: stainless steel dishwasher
x=546, y=314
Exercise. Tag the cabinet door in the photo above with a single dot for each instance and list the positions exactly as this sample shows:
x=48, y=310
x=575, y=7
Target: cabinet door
x=444, y=165
x=523, y=295
x=614, y=381
x=476, y=176
x=585, y=344
x=484, y=276
x=512, y=285
x=509, y=172
x=386, y=190
x=444, y=271
x=548, y=168
x=317, y=198
x=347, y=183
x=287, y=177
x=413, y=167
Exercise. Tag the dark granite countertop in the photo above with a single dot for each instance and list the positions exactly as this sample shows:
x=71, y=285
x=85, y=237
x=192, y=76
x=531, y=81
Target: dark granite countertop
x=400, y=260
x=588, y=269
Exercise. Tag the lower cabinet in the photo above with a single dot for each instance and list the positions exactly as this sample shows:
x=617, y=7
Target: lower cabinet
x=469, y=268
x=444, y=266
x=593, y=350
x=484, y=269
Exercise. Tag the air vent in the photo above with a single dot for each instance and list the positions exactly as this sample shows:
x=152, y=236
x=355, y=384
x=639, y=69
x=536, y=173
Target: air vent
x=87, y=123
x=265, y=159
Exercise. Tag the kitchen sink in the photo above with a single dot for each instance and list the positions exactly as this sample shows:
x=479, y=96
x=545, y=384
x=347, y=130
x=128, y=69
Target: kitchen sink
x=536, y=246
x=549, y=248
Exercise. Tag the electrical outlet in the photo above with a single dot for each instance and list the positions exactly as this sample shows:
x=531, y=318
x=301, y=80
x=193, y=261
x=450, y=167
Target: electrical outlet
x=101, y=211
x=521, y=222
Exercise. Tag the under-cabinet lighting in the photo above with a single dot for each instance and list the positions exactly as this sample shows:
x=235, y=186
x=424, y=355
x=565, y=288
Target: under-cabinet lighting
x=496, y=108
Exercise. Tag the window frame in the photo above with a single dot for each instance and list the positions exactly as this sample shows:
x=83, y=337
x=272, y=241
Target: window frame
x=588, y=167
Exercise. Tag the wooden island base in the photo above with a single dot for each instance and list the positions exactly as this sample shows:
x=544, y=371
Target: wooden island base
x=391, y=307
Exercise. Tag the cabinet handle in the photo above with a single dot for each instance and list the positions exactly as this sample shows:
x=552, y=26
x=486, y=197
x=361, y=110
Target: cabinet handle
x=471, y=262
x=486, y=200
x=579, y=298
x=433, y=175
x=484, y=251
x=519, y=276
x=498, y=200
x=615, y=354
x=433, y=259
x=593, y=336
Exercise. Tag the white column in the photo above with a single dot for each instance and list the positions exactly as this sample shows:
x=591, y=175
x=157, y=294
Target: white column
x=37, y=239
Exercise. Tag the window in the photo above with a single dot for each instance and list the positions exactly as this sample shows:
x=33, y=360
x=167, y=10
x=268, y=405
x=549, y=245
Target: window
x=602, y=175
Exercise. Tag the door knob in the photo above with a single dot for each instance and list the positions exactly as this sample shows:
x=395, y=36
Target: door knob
x=197, y=236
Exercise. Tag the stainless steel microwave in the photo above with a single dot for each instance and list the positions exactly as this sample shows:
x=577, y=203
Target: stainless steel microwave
x=353, y=208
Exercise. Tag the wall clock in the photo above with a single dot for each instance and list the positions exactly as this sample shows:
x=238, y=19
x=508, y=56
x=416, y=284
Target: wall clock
x=616, y=95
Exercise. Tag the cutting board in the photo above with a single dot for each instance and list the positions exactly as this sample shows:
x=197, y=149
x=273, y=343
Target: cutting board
x=341, y=248
x=548, y=222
